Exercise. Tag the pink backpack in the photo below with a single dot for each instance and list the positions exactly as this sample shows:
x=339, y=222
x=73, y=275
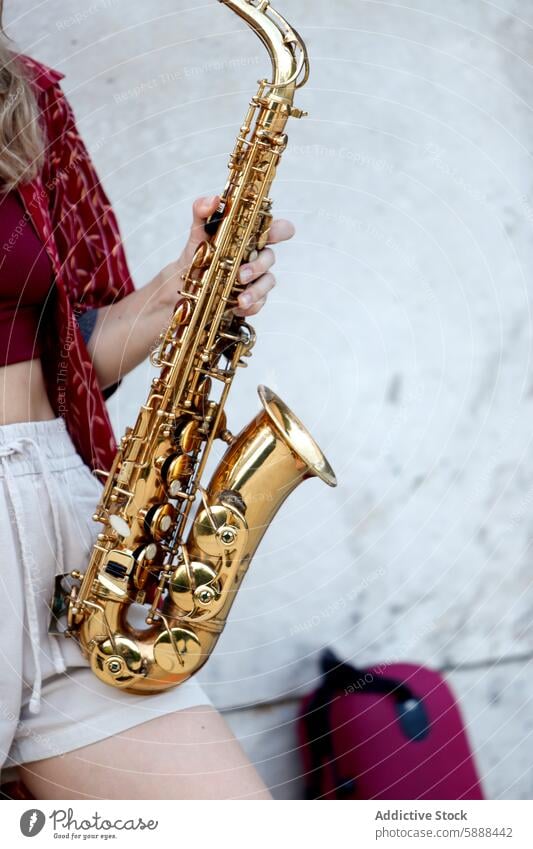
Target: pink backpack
x=391, y=732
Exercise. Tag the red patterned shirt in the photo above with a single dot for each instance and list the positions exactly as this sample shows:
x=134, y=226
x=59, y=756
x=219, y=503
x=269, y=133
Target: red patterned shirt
x=72, y=214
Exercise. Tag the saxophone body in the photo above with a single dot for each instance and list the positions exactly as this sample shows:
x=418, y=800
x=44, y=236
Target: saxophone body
x=167, y=543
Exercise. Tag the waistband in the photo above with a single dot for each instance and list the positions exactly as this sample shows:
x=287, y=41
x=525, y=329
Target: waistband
x=19, y=440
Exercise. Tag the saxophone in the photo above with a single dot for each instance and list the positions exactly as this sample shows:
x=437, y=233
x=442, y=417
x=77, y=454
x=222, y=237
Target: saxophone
x=185, y=571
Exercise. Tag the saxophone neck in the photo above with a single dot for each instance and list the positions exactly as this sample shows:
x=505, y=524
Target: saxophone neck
x=290, y=61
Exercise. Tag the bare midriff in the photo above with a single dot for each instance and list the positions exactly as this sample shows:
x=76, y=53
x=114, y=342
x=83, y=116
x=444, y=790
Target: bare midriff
x=23, y=396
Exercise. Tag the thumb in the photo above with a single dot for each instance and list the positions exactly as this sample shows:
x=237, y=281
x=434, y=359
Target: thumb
x=202, y=208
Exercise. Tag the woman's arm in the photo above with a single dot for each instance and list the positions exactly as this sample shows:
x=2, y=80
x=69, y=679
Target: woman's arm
x=126, y=332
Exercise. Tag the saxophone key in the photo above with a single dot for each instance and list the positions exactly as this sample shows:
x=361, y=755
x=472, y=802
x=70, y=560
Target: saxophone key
x=194, y=583
x=158, y=520
x=179, y=645
x=150, y=551
x=174, y=470
x=119, y=524
x=201, y=394
x=203, y=256
x=185, y=434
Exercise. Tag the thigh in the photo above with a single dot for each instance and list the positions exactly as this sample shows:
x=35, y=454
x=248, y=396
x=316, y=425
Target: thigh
x=188, y=754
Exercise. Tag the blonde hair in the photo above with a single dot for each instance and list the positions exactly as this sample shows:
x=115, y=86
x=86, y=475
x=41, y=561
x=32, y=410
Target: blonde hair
x=21, y=135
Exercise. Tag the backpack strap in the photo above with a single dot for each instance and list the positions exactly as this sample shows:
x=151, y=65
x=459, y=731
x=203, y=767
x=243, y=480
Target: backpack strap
x=339, y=676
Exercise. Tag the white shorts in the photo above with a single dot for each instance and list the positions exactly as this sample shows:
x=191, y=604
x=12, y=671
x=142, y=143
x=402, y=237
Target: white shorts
x=50, y=700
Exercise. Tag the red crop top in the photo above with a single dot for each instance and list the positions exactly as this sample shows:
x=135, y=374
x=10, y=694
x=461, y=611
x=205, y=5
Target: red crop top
x=26, y=276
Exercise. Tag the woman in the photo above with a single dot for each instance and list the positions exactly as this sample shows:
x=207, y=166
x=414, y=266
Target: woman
x=71, y=325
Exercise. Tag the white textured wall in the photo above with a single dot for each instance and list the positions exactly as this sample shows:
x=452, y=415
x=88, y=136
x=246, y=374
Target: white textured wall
x=400, y=330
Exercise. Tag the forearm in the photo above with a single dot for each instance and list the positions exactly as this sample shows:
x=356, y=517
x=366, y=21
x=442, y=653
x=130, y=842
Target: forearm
x=126, y=332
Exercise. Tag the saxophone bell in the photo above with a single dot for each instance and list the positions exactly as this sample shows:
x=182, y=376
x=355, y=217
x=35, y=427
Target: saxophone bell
x=271, y=456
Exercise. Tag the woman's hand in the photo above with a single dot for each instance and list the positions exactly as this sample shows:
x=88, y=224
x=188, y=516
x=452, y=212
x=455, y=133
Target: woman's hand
x=127, y=331
x=256, y=274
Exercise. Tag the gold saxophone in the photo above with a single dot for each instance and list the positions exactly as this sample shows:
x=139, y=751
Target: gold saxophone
x=186, y=571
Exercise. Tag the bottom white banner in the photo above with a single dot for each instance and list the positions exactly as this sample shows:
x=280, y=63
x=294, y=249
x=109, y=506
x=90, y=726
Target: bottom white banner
x=236, y=824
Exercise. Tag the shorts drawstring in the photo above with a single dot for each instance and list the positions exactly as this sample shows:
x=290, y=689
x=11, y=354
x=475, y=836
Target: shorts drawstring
x=17, y=446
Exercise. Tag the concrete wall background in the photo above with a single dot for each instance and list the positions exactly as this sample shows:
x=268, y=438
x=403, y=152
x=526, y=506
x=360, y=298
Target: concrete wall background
x=400, y=330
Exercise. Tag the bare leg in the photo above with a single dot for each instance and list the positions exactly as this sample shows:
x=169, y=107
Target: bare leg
x=189, y=754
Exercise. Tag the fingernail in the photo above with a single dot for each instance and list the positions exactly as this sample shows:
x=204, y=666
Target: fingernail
x=245, y=300
x=245, y=274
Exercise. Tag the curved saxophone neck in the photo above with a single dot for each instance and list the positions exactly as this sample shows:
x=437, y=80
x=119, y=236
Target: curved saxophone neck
x=290, y=61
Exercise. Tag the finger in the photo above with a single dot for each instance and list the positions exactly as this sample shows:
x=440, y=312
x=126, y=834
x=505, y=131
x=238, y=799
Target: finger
x=253, y=310
x=257, y=291
x=202, y=208
x=252, y=270
x=280, y=231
